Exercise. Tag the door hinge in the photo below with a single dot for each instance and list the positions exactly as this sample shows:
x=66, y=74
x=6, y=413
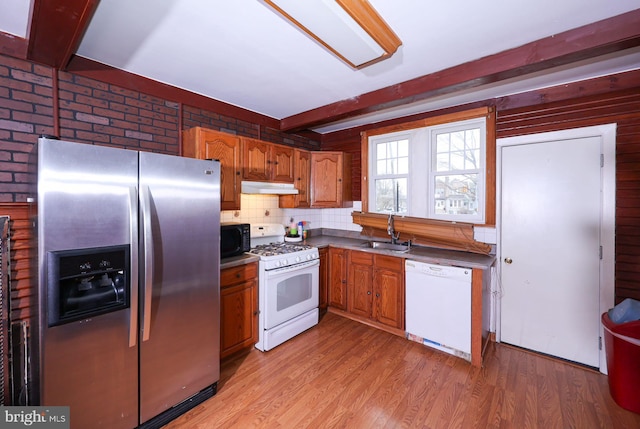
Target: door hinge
x=601, y=160
x=599, y=343
x=600, y=252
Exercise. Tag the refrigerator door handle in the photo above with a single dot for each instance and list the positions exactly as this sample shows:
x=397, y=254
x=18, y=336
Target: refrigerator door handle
x=147, y=243
x=133, y=291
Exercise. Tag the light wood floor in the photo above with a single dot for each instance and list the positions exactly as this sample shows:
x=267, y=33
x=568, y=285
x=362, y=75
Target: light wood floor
x=342, y=374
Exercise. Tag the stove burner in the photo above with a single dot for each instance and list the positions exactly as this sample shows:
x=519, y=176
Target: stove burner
x=278, y=249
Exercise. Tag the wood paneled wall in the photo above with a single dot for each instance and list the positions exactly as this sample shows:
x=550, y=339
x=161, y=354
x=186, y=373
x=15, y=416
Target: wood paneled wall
x=22, y=293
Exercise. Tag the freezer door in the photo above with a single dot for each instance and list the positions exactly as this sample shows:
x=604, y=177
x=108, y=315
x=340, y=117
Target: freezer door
x=86, y=197
x=179, y=302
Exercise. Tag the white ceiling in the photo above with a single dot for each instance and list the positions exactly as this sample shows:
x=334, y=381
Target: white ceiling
x=241, y=52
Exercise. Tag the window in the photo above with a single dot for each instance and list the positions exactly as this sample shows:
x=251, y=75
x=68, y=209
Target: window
x=434, y=172
x=391, y=175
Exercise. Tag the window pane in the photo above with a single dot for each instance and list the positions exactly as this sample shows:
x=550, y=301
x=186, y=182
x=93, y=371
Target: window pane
x=391, y=195
x=472, y=138
x=442, y=161
x=442, y=143
x=392, y=166
x=457, y=161
x=381, y=167
x=456, y=194
x=457, y=140
x=381, y=151
x=403, y=165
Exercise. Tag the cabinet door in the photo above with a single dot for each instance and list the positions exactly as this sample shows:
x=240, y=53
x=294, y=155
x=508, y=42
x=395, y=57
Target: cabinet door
x=227, y=150
x=388, y=280
x=202, y=143
x=302, y=177
x=282, y=163
x=324, y=278
x=337, y=278
x=257, y=164
x=360, y=284
x=238, y=309
x=326, y=179
x=237, y=317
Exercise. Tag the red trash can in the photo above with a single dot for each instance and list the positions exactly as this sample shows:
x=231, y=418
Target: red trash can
x=622, y=346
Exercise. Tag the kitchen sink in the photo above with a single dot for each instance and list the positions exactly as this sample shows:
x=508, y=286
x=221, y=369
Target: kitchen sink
x=383, y=245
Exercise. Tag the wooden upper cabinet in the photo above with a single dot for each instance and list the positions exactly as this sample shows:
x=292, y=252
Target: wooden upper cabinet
x=266, y=162
x=203, y=143
x=301, y=180
x=331, y=179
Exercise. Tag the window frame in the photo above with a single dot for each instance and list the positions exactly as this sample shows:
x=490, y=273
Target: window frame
x=421, y=227
x=422, y=151
x=387, y=138
x=451, y=127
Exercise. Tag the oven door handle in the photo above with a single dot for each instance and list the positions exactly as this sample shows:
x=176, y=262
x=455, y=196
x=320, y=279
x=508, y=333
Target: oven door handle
x=292, y=268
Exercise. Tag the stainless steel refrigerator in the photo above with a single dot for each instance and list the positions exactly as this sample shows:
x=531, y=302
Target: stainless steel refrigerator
x=128, y=325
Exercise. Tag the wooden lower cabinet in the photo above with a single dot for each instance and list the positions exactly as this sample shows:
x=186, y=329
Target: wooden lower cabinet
x=238, y=308
x=389, y=288
x=375, y=288
x=360, y=284
x=367, y=286
x=338, y=278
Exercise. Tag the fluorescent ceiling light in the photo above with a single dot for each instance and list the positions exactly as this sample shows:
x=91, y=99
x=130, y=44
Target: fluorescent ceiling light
x=351, y=29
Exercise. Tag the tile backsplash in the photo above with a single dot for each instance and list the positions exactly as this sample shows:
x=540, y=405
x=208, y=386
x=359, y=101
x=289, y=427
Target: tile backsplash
x=264, y=209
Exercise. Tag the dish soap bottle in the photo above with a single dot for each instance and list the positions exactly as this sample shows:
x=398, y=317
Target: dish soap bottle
x=293, y=230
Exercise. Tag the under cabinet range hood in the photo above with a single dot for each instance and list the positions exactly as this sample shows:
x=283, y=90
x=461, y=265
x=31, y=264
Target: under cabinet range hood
x=268, y=188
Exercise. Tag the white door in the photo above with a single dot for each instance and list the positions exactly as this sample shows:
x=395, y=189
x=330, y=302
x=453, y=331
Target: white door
x=550, y=247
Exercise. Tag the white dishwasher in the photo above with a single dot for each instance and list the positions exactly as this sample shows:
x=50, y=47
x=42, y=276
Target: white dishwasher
x=438, y=309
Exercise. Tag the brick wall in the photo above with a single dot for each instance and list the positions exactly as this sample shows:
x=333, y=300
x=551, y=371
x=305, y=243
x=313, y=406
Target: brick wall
x=94, y=112
x=25, y=113
x=99, y=113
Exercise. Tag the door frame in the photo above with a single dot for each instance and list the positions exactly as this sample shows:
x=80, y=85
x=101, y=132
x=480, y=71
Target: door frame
x=607, y=134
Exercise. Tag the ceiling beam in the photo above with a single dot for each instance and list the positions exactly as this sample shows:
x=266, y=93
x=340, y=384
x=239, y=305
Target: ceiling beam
x=610, y=35
x=56, y=30
x=13, y=45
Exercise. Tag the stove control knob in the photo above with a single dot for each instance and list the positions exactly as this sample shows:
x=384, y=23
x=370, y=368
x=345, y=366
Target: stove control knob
x=277, y=263
x=298, y=259
x=308, y=257
x=284, y=262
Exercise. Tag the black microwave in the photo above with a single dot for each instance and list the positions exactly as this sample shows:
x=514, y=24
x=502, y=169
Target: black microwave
x=235, y=239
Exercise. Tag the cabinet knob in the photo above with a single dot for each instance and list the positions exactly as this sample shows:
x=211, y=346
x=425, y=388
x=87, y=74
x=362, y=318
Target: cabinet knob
x=237, y=275
x=508, y=260
x=368, y=292
x=237, y=173
x=377, y=295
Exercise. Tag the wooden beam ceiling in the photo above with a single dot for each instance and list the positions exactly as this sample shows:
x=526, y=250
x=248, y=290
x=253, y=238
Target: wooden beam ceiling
x=590, y=41
x=57, y=27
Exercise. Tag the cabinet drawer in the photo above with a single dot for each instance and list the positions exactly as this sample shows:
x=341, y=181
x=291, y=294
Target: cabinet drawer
x=361, y=258
x=231, y=276
x=388, y=262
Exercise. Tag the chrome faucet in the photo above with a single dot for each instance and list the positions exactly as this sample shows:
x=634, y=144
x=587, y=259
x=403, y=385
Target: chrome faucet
x=391, y=231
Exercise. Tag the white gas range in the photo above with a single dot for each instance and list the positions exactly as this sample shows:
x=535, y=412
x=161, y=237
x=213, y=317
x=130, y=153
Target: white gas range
x=288, y=289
